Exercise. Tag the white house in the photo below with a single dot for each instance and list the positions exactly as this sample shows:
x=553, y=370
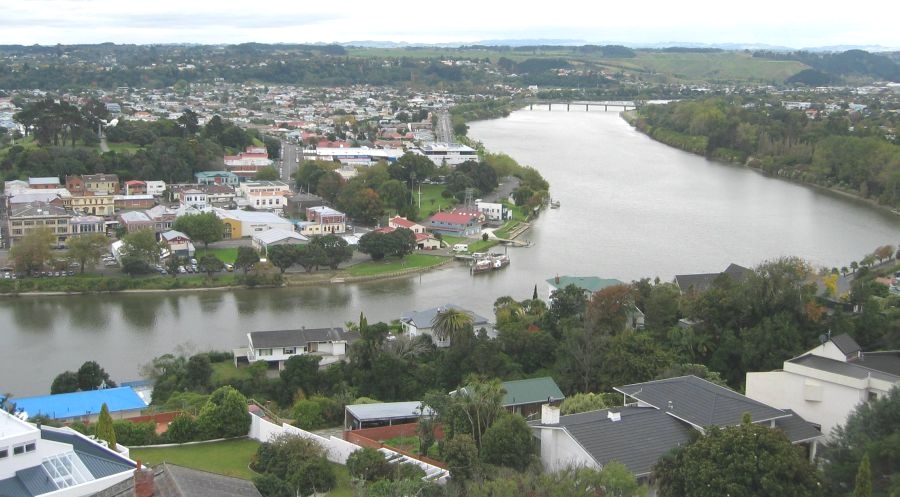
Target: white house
x=266, y=195
x=178, y=243
x=493, y=211
x=827, y=383
x=195, y=198
x=276, y=347
x=61, y=462
x=155, y=188
x=416, y=323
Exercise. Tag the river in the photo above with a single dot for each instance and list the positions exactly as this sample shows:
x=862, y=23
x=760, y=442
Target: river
x=630, y=208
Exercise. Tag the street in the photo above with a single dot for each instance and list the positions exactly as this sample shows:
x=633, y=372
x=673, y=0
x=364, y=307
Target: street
x=290, y=155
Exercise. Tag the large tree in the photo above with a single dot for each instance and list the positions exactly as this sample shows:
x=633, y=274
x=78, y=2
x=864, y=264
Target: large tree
x=282, y=256
x=451, y=323
x=87, y=249
x=508, y=442
x=748, y=460
x=142, y=245
x=205, y=227
x=210, y=264
x=33, y=250
x=224, y=415
x=246, y=258
x=335, y=249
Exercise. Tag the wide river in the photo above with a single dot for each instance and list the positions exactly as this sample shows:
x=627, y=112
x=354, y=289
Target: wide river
x=630, y=208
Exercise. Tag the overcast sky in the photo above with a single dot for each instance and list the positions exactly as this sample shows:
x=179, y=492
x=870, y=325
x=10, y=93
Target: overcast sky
x=791, y=23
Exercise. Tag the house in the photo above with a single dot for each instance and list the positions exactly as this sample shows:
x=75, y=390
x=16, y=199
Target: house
x=122, y=402
x=424, y=240
x=170, y=480
x=591, y=285
x=135, y=187
x=247, y=163
x=217, y=178
x=105, y=184
x=525, y=397
x=90, y=202
x=323, y=220
x=493, y=211
x=25, y=218
x=402, y=222
x=699, y=283
x=219, y=195
x=133, y=221
x=276, y=347
x=265, y=195
x=239, y=224
x=143, y=201
x=263, y=240
x=27, y=196
x=155, y=188
x=825, y=384
x=415, y=323
x=302, y=201
x=39, y=460
x=657, y=417
x=51, y=182
x=178, y=243
x=460, y=225
x=194, y=198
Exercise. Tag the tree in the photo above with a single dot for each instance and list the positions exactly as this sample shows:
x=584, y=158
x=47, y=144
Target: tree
x=32, y=251
x=310, y=256
x=403, y=241
x=300, y=374
x=87, y=249
x=461, y=455
x=105, y=430
x=282, y=256
x=224, y=415
x=508, y=442
x=188, y=122
x=607, y=312
x=335, y=249
x=210, y=264
x=91, y=377
x=451, y=323
x=617, y=480
x=308, y=415
x=198, y=373
x=298, y=464
x=142, y=245
x=368, y=465
x=863, y=487
x=246, y=258
x=182, y=429
x=884, y=252
x=205, y=227
x=583, y=402
x=745, y=460
x=870, y=430
x=375, y=244
x=64, y=382
x=268, y=173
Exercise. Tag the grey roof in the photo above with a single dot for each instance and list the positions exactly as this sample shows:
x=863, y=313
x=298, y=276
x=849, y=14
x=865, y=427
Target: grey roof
x=292, y=338
x=387, y=410
x=37, y=209
x=637, y=440
x=858, y=369
x=846, y=344
x=702, y=282
x=700, y=402
x=887, y=362
x=423, y=319
x=170, y=480
x=796, y=429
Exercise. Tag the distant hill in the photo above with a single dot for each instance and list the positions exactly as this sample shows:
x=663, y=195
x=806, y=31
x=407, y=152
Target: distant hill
x=837, y=67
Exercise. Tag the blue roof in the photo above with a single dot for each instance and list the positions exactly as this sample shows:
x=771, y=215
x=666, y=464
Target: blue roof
x=69, y=405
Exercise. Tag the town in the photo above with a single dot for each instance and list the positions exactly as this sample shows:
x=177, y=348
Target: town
x=777, y=379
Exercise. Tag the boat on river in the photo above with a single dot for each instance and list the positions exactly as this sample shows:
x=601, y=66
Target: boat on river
x=489, y=262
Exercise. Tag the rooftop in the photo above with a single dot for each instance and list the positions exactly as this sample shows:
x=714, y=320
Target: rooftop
x=292, y=338
x=387, y=410
x=703, y=281
x=424, y=319
x=251, y=216
x=76, y=404
x=170, y=480
x=277, y=234
x=531, y=391
x=699, y=402
x=876, y=364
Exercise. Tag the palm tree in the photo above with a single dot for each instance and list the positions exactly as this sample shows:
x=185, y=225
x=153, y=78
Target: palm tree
x=450, y=323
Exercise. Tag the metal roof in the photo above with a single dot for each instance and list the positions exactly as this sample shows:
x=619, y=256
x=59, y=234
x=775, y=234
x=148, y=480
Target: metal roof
x=76, y=404
x=531, y=391
x=387, y=410
x=701, y=282
x=846, y=344
x=277, y=234
x=699, y=402
x=855, y=369
x=424, y=319
x=170, y=480
x=299, y=338
x=796, y=429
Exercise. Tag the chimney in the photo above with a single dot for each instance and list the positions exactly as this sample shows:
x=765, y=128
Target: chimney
x=143, y=481
x=549, y=415
x=614, y=416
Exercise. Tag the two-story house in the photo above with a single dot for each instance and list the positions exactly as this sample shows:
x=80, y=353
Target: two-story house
x=276, y=347
x=323, y=220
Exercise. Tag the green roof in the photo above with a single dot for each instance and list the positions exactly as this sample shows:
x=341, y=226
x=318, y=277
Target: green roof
x=530, y=391
x=587, y=283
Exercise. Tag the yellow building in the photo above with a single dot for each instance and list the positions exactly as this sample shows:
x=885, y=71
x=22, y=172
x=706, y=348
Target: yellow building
x=92, y=203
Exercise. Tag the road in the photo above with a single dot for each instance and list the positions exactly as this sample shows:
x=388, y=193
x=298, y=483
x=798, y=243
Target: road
x=444, y=130
x=290, y=156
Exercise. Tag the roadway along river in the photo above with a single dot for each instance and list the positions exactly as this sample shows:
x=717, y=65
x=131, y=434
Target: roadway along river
x=631, y=208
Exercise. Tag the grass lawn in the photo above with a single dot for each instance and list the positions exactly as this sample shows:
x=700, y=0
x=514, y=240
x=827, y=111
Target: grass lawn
x=123, y=147
x=432, y=201
x=225, y=373
x=228, y=254
x=231, y=457
x=392, y=264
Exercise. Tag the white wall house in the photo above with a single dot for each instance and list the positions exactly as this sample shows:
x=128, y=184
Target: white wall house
x=195, y=198
x=155, y=188
x=276, y=347
x=493, y=211
x=827, y=383
x=415, y=323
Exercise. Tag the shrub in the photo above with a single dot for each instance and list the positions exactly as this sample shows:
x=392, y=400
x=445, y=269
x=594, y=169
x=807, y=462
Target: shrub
x=368, y=464
x=308, y=414
x=182, y=429
x=131, y=434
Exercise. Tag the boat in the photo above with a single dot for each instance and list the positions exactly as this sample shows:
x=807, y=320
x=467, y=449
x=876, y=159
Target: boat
x=500, y=260
x=554, y=204
x=482, y=266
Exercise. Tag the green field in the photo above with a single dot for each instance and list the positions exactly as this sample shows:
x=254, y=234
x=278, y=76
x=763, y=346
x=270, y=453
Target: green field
x=231, y=457
x=123, y=148
x=432, y=201
x=225, y=373
x=392, y=264
x=228, y=254
x=725, y=66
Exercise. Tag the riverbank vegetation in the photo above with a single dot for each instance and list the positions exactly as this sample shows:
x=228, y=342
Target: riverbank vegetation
x=852, y=151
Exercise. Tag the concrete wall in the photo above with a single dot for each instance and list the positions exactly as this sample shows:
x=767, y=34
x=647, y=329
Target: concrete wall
x=560, y=451
x=337, y=450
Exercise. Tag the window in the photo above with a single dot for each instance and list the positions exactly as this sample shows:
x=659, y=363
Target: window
x=30, y=447
x=290, y=350
x=4, y=452
x=265, y=352
x=873, y=396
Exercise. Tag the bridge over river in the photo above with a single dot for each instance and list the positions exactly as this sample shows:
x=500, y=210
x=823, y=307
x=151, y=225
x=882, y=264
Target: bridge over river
x=569, y=104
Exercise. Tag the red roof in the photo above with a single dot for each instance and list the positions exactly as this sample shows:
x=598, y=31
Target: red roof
x=135, y=182
x=423, y=236
x=452, y=218
x=402, y=221
x=386, y=229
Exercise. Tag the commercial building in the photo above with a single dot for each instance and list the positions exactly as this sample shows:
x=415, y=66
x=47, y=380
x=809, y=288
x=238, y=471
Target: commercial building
x=451, y=154
x=122, y=402
x=239, y=224
x=25, y=218
x=354, y=156
x=217, y=178
x=247, y=163
x=323, y=220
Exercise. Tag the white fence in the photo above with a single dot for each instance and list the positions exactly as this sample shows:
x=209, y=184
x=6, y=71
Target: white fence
x=336, y=450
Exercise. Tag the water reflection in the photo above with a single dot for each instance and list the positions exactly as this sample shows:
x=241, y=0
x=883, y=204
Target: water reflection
x=141, y=312
x=211, y=301
x=35, y=315
x=87, y=313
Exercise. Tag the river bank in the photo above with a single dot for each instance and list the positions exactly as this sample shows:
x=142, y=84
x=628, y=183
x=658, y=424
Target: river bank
x=630, y=117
